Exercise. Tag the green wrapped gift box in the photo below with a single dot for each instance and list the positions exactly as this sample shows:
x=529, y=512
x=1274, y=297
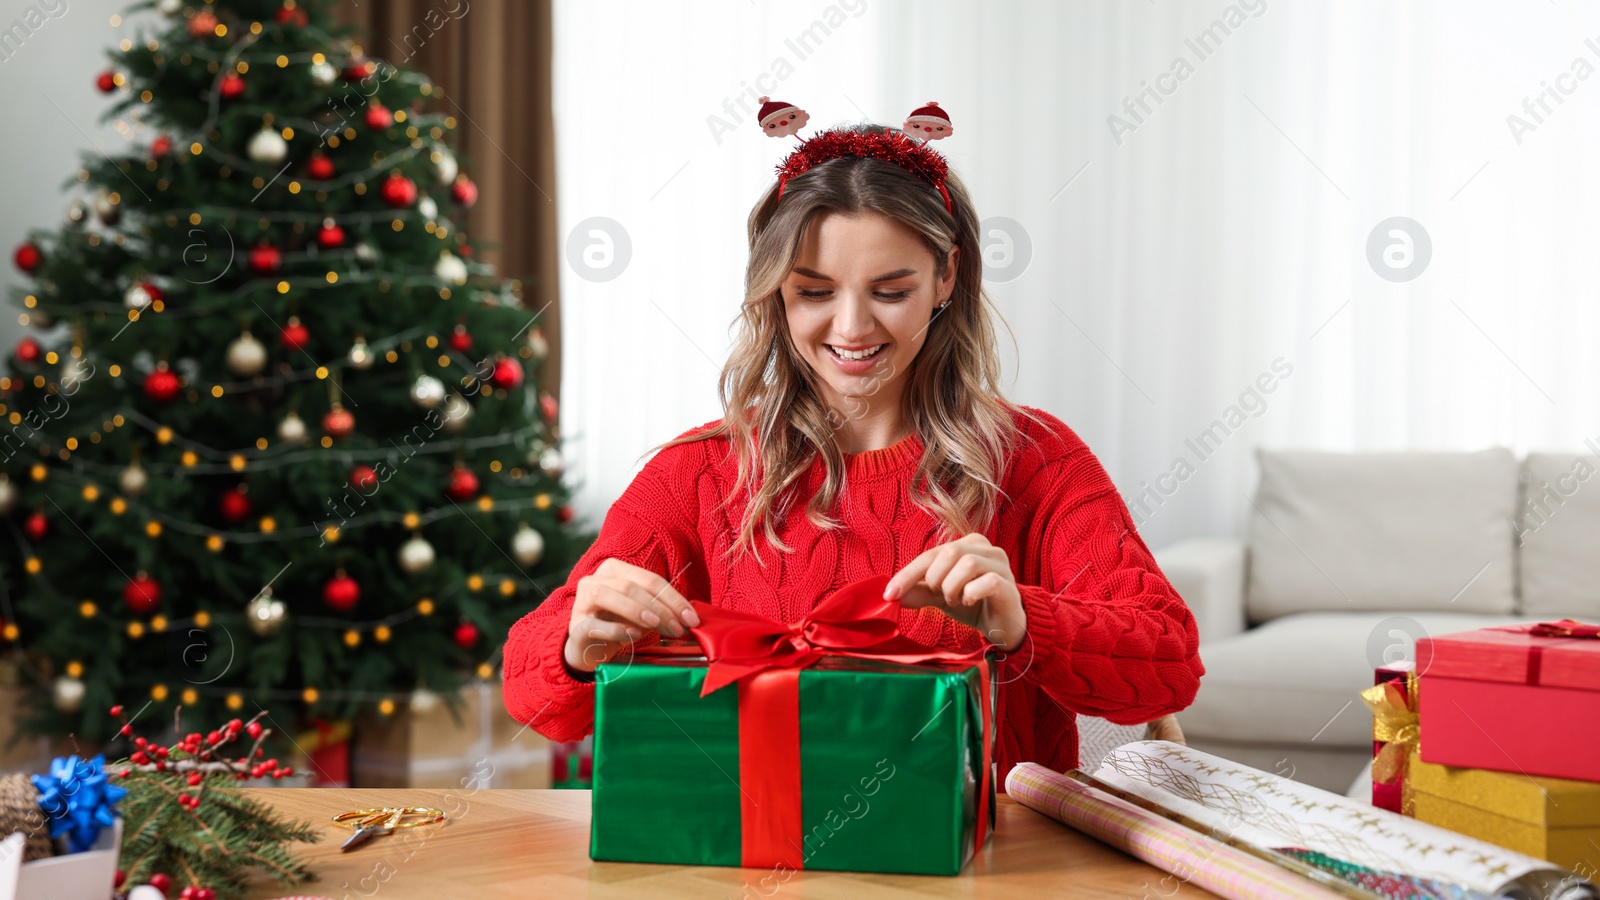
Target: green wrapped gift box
x=887, y=775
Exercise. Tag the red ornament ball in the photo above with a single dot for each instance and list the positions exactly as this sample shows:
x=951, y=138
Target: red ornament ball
x=320, y=167
x=36, y=526
x=202, y=24
x=398, y=191
x=235, y=505
x=549, y=407
x=463, y=485
x=463, y=191
x=161, y=146
x=232, y=86
x=341, y=592
x=107, y=82
x=379, y=117
x=330, y=235
x=143, y=595
x=564, y=514
x=162, y=385
x=363, y=479
x=359, y=70
x=295, y=336
x=265, y=259
x=291, y=15
x=507, y=373
x=338, y=422
x=27, y=257
x=460, y=341
x=28, y=350
x=466, y=635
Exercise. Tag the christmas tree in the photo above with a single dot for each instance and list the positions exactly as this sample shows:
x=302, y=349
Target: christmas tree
x=274, y=437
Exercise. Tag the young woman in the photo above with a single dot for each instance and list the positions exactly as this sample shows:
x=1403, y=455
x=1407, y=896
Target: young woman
x=864, y=434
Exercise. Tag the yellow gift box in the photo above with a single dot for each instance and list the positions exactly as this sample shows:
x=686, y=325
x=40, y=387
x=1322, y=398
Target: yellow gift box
x=1549, y=818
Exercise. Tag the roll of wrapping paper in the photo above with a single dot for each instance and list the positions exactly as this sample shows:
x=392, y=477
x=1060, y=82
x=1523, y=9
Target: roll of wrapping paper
x=1203, y=860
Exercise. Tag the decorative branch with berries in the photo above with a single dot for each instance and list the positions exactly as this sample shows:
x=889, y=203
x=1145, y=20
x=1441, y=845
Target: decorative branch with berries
x=186, y=824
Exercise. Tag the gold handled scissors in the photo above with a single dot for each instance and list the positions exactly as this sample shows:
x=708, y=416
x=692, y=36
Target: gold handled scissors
x=370, y=823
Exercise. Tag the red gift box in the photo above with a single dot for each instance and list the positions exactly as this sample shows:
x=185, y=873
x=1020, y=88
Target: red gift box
x=1519, y=698
x=1390, y=795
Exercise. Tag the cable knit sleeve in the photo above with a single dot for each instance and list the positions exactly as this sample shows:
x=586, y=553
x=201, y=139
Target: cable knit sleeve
x=1106, y=635
x=649, y=526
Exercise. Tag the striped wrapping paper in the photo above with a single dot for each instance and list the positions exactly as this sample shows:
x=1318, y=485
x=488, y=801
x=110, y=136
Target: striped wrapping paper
x=1189, y=855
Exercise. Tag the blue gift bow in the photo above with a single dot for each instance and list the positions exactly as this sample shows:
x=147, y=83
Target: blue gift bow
x=79, y=798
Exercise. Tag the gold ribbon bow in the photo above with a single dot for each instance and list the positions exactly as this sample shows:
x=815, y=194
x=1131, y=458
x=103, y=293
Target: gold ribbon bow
x=1394, y=722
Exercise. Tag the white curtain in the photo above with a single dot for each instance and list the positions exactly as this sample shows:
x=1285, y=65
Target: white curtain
x=1181, y=257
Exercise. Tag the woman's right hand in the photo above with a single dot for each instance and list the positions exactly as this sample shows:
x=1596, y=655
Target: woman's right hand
x=615, y=606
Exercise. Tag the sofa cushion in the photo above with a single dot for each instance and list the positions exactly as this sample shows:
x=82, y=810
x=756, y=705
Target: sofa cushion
x=1296, y=679
x=1382, y=531
x=1559, y=526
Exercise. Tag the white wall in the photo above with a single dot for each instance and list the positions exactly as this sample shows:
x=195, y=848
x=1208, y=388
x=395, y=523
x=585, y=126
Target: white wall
x=1226, y=230
x=51, y=110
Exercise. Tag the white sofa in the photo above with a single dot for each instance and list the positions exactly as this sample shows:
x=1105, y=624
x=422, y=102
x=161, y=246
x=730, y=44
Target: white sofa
x=1349, y=558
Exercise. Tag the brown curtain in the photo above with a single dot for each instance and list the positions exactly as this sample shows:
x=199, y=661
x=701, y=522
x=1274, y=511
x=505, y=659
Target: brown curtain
x=490, y=62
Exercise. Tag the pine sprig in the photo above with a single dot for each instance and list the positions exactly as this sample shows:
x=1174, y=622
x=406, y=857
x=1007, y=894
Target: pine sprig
x=184, y=816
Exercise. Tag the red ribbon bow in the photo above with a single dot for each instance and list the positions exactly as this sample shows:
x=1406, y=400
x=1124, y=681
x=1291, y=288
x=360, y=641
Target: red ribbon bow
x=764, y=657
x=1565, y=628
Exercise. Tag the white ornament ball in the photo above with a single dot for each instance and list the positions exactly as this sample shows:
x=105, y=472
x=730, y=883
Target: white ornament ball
x=450, y=268
x=107, y=211
x=8, y=495
x=323, y=73
x=77, y=212
x=268, y=147
x=538, y=344
x=246, y=355
x=427, y=392
x=424, y=700
x=456, y=413
x=428, y=208
x=416, y=555
x=265, y=614
x=170, y=8
x=68, y=693
x=133, y=479
x=527, y=546
x=145, y=892
x=447, y=165
x=360, y=355
x=365, y=253
x=137, y=296
x=551, y=463
x=292, y=429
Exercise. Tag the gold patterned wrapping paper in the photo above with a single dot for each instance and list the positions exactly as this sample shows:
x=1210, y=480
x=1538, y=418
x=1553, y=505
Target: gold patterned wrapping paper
x=1550, y=818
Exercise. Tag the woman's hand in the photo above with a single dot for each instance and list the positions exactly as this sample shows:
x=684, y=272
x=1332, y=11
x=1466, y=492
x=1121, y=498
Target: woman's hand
x=615, y=606
x=970, y=580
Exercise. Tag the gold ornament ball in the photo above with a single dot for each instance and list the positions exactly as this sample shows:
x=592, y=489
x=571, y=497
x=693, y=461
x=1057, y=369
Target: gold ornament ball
x=246, y=356
x=133, y=480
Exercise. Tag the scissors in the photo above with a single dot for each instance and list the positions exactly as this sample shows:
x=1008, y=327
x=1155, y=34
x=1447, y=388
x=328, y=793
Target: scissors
x=370, y=823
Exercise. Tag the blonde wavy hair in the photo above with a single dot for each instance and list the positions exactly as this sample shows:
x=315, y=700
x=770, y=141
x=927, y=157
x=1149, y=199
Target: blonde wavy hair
x=774, y=417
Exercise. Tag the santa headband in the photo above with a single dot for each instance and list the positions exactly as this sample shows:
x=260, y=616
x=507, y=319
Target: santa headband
x=907, y=148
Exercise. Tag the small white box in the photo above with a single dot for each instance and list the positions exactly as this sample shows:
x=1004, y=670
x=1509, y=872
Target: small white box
x=90, y=875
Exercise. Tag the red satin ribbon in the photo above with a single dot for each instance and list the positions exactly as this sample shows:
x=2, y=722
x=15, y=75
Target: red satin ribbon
x=1566, y=628
x=765, y=657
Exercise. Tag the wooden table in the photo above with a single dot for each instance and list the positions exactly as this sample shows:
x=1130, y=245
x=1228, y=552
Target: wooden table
x=531, y=843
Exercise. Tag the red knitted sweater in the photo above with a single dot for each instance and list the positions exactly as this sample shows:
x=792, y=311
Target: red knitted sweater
x=1106, y=636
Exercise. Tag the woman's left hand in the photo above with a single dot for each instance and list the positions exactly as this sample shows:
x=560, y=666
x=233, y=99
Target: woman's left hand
x=970, y=580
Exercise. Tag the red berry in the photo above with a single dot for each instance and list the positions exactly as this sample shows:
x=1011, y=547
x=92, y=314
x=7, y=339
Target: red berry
x=187, y=893
x=161, y=752
x=161, y=765
x=160, y=882
x=116, y=710
x=212, y=737
x=194, y=778
x=139, y=757
x=254, y=730
x=125, y=773
x=119, y=878
x=235, y=724
x=208, y=893
x=126, y=729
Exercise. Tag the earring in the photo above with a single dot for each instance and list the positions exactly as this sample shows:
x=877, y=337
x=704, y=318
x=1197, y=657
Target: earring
x=944, y=304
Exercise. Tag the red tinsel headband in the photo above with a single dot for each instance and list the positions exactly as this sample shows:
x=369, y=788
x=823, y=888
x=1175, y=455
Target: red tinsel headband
x=929, y=123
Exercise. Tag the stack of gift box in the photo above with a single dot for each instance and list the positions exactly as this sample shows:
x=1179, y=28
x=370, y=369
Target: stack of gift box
x=1495, y=733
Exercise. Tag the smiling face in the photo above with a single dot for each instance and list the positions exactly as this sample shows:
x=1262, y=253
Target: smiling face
x=858, y=303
